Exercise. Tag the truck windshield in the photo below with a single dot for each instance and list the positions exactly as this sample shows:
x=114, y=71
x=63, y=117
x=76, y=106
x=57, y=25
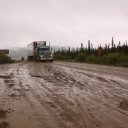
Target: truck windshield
x=42, y=50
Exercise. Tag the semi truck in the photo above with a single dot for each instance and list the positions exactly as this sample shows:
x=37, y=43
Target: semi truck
x=39, y=51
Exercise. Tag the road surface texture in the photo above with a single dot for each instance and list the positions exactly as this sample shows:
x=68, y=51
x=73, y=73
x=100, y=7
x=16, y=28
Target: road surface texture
x=63, y=95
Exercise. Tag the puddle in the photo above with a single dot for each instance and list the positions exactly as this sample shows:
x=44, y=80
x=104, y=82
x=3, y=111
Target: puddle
x=37, y=76
x=14, y=96
x=2, y=114
x=9, y=81
x=51, y=104
x=10, y=85
x=4, y=77
x=4, y=124
x=124, y=105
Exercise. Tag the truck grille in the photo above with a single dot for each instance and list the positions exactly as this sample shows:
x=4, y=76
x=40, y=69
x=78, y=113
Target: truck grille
x=47, y=55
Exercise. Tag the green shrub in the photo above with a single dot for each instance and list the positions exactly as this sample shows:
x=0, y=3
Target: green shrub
x=115, y=59
x=92, y=59
x=81, y=57
x=111, y=58
x=62, y=57
x=118, y=59
x=4, y=59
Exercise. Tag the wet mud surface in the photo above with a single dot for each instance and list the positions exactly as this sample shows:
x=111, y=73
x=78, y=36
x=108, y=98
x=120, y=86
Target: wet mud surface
x=4, y=124
x=63, y=95
x=2, y=114
x=124, y=105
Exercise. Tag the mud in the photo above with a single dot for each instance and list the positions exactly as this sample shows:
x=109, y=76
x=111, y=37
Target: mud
x=4, y=76
x=63, y=95
x=15, y=96
x=4, y=124
x=3, y=114
x=124, y=105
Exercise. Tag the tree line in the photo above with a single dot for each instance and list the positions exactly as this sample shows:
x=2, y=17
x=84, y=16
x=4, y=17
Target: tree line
x=99, y=51
x=111, y=53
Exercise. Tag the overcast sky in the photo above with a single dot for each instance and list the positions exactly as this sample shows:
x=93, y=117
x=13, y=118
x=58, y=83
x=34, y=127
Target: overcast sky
x=62, y=22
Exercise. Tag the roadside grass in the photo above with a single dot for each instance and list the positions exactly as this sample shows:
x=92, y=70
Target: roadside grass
x=5, y=59
x=62, y=57
x=117, y=59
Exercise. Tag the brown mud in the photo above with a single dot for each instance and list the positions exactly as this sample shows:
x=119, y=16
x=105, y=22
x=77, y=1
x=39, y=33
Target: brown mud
x=63, y=95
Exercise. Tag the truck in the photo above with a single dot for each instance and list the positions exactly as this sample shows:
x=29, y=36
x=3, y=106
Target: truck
x=39, y=51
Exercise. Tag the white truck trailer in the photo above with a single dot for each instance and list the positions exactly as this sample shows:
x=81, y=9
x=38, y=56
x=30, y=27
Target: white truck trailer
x=39, y=51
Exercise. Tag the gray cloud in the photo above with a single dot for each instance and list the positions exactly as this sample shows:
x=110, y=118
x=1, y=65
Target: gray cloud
x=62, y=22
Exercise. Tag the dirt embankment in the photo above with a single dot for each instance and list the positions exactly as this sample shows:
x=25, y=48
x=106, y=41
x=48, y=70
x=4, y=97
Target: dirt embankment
x=63, y=95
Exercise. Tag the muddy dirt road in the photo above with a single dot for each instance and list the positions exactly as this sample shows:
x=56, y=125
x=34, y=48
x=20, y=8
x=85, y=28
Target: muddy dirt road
x=63, y=95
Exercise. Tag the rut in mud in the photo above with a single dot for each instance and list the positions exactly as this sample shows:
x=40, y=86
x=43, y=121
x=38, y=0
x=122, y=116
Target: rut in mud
x=63, y=95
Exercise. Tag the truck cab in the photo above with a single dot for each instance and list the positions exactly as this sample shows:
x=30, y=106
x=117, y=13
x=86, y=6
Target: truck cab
x=44, y=53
